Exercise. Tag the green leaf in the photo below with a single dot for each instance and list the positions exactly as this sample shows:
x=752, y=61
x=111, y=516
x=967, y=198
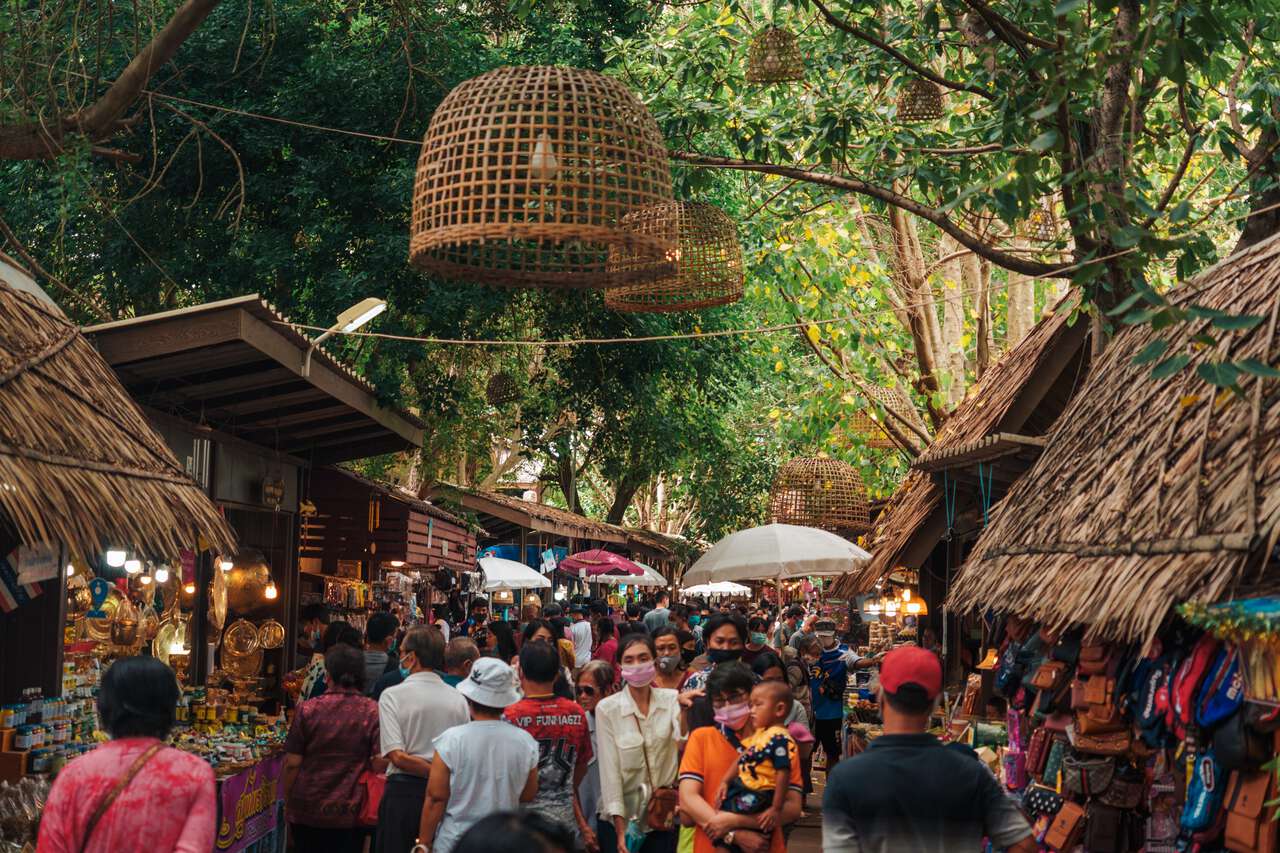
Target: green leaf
x=1151, y=351
x=1223, y=374
x=1045, y=141
x=1237, y=322
x=1256, y=368
x=1170, y=366
x=1066, y=7
x=1045, y=112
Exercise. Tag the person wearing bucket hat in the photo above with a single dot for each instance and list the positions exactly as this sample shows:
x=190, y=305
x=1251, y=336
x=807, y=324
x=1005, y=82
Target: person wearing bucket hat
x=909, y=792
x=481, y=767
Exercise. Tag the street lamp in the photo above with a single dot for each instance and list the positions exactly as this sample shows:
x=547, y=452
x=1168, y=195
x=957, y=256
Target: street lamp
x=348, y=321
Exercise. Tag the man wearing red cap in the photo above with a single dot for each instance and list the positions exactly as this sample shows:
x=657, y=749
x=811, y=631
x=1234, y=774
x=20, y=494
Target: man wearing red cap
x=908, y=792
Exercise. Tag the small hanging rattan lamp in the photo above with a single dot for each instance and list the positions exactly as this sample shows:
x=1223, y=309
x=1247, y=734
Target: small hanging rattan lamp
x=1041, y=226
x=774, y=57
x=820, y=492
x=869, y=423
x=919, y=100
x=502, y=390
x=708, y=260
x=525, y=175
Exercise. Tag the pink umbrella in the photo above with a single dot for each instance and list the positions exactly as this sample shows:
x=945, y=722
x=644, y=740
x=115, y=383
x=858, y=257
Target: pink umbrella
x=598, y=561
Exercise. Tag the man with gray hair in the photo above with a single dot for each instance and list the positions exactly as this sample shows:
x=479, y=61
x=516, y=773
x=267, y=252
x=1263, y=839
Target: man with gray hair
x=459, y=654
x=411, y=715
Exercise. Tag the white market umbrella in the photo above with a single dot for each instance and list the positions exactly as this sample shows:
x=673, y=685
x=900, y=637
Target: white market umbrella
x=650, y=578
x=774, y=552
x=508, y=574
x=717, y=588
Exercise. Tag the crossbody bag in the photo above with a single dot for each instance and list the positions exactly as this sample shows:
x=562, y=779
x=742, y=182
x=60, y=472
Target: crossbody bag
x=105, y=804
x=660, y=811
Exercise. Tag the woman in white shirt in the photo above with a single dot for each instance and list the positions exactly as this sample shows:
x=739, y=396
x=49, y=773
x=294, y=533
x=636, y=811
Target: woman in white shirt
x=482, y=767
x=638, y=732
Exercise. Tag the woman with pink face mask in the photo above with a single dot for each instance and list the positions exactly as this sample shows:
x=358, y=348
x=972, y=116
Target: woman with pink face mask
x=638, y=732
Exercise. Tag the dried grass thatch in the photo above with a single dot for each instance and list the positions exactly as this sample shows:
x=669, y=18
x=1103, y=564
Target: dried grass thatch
x=985, y=409
x=1152, y=491
x=80, y=467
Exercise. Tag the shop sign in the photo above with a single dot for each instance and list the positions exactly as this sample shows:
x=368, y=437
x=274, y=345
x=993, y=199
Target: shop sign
x=247, y=805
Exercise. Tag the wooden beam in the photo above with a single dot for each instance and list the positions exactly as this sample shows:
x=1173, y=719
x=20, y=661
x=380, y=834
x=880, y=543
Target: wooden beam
x=125, y=344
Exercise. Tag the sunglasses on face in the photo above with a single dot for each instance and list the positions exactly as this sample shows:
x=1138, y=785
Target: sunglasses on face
x=586, y=690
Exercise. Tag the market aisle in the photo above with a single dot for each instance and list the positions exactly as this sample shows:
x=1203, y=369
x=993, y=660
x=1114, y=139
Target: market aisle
x=807, y=836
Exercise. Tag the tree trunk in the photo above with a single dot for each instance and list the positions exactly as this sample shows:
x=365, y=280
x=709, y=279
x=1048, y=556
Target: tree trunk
x=567, y=477
x=1265, y=195
x=977, y=295
x=1022, y=305
x=952, y=322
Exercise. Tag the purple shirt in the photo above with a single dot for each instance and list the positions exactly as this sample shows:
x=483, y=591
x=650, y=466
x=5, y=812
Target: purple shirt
x=336, y=734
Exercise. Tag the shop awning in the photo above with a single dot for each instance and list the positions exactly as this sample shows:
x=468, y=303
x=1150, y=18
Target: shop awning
x=237, y=367
x=504, y=516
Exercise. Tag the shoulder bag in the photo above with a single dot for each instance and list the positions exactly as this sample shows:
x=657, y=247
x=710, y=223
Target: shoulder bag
x=1249, y=827
x=105, y=804
x=1067, y=828
x=660, y=811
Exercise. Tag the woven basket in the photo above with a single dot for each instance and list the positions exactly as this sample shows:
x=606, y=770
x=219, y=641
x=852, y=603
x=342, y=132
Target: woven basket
x=919, y=100
x=774, y=57
x=1042, y=225
x=818, y=492
x=502, y=390
x=868, y=422
x=525, y=176
x=708, y=261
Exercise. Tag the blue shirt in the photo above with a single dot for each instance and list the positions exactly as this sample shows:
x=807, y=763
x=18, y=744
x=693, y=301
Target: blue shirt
x=832, y=670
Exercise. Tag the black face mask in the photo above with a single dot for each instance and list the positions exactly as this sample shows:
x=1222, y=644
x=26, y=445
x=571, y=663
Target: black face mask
x=688, y=655
x=719, y=656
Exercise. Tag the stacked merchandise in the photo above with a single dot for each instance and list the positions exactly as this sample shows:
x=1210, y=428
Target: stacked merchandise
x=1121, y=749
x=39, y=734
x=20, y=807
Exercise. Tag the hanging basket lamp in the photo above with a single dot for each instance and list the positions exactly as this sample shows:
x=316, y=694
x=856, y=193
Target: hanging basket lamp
x=1042, y=225
x=869, y=423
x=525, y=175
x=774, y=57
x=502, y=390
x=708, y=260
x=919, y=100
x=819, y=492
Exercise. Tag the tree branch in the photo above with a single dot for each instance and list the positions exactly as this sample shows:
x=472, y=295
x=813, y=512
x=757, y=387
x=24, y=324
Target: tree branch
x=996, y=256
x=103, y=118
x=1192, y=144
x=1005, y=28
x=95, y=308
x=922, y=70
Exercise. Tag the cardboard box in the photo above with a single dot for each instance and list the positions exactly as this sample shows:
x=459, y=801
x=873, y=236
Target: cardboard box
x=13, y=766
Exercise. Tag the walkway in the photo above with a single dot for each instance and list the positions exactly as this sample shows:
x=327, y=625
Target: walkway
x=807, y=836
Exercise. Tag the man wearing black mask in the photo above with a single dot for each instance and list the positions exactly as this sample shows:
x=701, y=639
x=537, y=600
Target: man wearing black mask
x=725, y=635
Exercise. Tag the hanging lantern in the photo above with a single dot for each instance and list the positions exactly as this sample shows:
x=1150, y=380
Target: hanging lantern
x=525, y=175
x=868, y=421
x=774, y=57
x=1042, y=225
x=502, y=390
x=919, y=100
x=708, y=260
x=819, y=492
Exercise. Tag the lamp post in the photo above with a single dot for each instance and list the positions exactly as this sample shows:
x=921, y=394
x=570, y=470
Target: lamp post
x=348, y=321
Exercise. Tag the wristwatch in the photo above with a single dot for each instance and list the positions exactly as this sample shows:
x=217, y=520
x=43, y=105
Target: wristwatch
x=728, y=838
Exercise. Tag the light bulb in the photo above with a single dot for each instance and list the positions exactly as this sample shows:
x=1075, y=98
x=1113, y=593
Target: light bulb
x=906, y=593
x=395, y=564
x=71, y=570
x=189, y=588
x=226, y=564
x=133, y=566
x=913, y=608
x=271, y=592
x=115, y=559
x=162, y=574
x=176, y=648
x=145, y=580
x=543, y=165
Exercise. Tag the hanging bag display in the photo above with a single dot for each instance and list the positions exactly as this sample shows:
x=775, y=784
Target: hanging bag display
x=1249, y=825
x=1093, y=659
x=1107, y=743
x=1041, y=801
x=1204, y=794
x=1050, y=675
x=1067, y=828
x=1038, y=751
x=1087, y=776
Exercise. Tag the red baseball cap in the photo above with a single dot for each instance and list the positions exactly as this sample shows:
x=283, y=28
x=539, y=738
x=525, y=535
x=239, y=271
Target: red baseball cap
x=911, y=665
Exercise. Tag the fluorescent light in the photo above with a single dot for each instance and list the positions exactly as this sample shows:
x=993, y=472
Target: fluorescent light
x=115, y=558
x=133, y=566
x=162, y=574
x=360, y=313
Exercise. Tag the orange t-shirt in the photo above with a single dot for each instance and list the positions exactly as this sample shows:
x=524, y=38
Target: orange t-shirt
x=707, y=757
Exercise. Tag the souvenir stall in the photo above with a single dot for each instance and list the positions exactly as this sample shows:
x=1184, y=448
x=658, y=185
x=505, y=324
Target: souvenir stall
x=1120, y=575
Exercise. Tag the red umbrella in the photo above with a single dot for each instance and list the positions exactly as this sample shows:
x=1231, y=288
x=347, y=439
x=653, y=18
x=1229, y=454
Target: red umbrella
x=598, y=561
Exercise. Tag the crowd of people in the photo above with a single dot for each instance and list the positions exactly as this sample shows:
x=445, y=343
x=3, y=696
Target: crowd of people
x=646, y=729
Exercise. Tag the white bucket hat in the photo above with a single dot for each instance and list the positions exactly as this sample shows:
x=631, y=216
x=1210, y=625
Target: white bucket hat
x=491, y=683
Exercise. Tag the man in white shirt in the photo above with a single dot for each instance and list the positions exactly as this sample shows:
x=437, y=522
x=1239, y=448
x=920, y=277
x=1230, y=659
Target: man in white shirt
x=581, y=631
x=411, y=716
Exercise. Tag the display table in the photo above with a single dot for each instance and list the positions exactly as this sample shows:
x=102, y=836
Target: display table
x=251, y=809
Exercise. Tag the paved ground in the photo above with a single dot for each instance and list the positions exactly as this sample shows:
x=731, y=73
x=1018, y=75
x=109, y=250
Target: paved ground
x=807, y=836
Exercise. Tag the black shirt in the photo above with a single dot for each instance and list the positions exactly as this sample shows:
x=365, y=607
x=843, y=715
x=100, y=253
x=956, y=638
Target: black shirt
x=910, y=793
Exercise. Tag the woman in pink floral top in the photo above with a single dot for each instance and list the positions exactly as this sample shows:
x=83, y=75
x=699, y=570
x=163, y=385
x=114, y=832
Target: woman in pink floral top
x=168, y=805
x=333, y=739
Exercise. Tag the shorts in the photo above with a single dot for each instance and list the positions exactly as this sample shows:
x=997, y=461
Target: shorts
x=740, y=799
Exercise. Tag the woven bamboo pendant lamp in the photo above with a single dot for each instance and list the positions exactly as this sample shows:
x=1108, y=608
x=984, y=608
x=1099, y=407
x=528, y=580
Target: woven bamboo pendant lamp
x=708, y=260
x=818, y=492
x=525, y=176
x=502, y=390
x=774, y=57
x=919, y=100
x=1042, y=225
x=867, y=422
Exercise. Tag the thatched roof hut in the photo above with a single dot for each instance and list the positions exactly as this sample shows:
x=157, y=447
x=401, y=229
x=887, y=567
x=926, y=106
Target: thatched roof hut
x=80, y=467
x=1021, y=393
x=1152, y=491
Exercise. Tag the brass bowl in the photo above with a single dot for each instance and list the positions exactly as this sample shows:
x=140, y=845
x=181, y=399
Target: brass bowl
x=124, y=632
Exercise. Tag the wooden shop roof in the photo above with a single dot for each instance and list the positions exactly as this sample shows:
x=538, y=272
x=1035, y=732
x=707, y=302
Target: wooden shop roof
x=80, y=466
x=1151, y=491
x=237, y=367
x=1021, y=394
x=494, y=508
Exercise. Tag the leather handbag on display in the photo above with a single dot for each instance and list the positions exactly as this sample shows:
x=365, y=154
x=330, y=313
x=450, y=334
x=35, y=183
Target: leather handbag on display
x=1053, y=766
x=1079, y=701
x=1106, y=829
x=1038, y=750
x=1127, y=790
x=1108, y=743
x=1087, y=776
x=1238, y=746
x=1249, y=825
x=1067, y=828
x=1050, y=675
x=1102, y=708
x=1093, y=659
x=1039, y=800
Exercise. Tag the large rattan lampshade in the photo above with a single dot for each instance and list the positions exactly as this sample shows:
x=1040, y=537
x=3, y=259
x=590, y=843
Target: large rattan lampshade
x=502, y=390
x=774, y=57
x=819, y=492
x=898, y=406
x=708, y=260
x=525, y=176
x=919, y=100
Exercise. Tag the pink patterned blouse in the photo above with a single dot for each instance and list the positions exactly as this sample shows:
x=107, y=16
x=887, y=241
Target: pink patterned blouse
x=169, y=805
